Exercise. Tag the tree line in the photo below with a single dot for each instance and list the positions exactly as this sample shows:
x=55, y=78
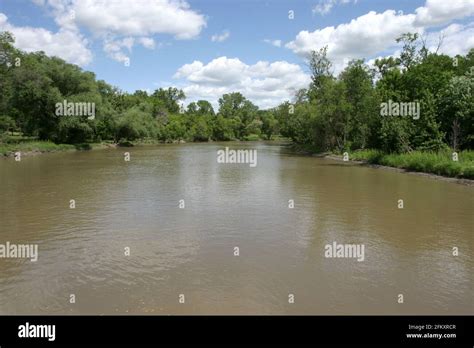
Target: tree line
x=344, y=112
x=334, y=113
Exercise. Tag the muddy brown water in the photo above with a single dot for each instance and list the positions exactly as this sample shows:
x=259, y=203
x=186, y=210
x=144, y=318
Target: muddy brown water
x=191, y=251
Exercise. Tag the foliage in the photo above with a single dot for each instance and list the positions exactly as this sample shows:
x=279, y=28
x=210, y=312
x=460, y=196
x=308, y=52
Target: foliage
x=334, y=113
x=440, y=163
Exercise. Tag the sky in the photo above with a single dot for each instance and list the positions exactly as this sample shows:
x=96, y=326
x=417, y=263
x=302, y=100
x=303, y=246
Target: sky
x=212, y=47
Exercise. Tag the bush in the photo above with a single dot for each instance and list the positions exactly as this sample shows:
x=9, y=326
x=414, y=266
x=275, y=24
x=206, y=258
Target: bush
x=468, y=172
x=125, y=143
x=83, y=146
x=136, y=123
x=252, y=137
x=440, y=163
x=7, y=123
x=73, y=130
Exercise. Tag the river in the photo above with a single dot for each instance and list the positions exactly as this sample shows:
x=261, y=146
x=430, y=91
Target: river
x=237, y=247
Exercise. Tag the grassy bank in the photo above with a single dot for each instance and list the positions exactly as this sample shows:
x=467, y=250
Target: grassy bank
x=33, y=146
x=439, y=163
x=11, y=143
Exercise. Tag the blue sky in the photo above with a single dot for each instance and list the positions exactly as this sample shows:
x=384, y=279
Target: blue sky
x=256, y=50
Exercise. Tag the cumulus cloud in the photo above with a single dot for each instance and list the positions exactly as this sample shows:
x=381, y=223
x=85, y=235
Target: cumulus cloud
x=147, y=42
x=131, y=18
x=220, y=37
x=120, y=50
x=362, y=37
x=69, y=45
x=115, y=20
x=325, y=6
x=114, y=49
x=276, y=43
x=264, y=83
x=455, y=39
x=374, y=33
x=437, y=12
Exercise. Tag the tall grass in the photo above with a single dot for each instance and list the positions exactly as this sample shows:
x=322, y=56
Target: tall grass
x=440, y=163
x=38, y=146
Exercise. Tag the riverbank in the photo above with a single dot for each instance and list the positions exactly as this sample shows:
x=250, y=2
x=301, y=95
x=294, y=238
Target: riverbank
x=31, y=148
x=439, y=164
x=436, y=165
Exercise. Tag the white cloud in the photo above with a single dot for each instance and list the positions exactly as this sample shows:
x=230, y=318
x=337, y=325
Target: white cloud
x=115, y=20
x=220, y=37
x=266, y=84
x=325, y=6
x=66, y=44
x=220, y=71
x=276, y=43
x=437, y=12
x=131, y=18
x=147, y=42
x=114, y=48
x=375, y=33
x=456, y=39
x=362, y=37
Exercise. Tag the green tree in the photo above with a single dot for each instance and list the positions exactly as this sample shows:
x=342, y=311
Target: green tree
x=320, y=67
x=457, y=112
x=167, y=100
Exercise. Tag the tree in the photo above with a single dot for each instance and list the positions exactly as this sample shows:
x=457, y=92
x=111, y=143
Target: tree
x=235, y=106
x=362, y=108
x=320, y=67
x=457, y=112
x=205, y=108
x=192, y=108
x=224, y=128
x=334, y=113
x=230, y=104
x=384, y=65
x=8, y=58
x=269, y=124
x=167, y=100
x=73, y=130
x=200, y=130
x=408, y=56
x=7, y=123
